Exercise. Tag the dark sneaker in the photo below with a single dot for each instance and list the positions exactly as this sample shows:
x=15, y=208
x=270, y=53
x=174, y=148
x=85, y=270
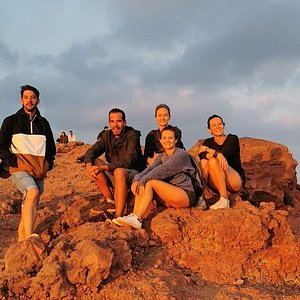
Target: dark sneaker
x=103, y=207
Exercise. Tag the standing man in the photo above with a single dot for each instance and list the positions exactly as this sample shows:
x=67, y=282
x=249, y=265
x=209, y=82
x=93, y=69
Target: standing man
x=27, y=148
x=121, y=145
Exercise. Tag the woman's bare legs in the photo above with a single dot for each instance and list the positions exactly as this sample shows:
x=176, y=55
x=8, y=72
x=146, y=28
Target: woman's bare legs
x=172, y=195
x=217, y=176
x=220, y=180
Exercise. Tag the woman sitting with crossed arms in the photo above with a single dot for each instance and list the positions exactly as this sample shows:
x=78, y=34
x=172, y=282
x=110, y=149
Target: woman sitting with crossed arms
x=165, y=180
x=221, y=162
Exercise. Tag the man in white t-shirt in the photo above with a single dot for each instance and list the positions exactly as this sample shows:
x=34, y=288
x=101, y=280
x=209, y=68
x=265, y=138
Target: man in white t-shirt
x=71, y=136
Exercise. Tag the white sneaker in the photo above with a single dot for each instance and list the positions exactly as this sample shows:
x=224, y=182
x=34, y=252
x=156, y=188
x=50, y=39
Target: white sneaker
x=130, y=220
x=222, y=203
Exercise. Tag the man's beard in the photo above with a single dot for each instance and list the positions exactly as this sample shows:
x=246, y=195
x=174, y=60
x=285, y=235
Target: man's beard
x=30, y=109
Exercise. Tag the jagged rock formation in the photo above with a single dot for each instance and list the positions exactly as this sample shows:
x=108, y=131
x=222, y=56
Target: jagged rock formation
x=240, y=253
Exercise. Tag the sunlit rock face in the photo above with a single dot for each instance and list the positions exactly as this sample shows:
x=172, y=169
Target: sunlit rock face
x=180, y=253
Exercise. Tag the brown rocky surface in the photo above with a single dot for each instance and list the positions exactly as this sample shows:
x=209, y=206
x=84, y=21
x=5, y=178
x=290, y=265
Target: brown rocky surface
x=245, y=252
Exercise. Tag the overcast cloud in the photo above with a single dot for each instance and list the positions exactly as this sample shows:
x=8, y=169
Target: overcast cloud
x=239, y=59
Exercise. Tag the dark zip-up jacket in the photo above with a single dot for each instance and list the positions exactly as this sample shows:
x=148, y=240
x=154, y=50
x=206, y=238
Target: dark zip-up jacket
x=123, y=152
x=25, y=144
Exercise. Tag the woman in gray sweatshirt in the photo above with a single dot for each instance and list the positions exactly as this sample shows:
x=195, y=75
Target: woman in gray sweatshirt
x=167, y=179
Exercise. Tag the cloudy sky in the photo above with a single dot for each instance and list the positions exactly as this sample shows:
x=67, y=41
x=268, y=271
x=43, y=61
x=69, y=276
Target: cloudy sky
x=239, y=59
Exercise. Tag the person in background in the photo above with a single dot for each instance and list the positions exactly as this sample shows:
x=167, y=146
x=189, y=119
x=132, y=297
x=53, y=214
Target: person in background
x=63, y=138
x=27, y=148
x=167, y=180
x=105, y=128
x=124, y=159
x=220, y=162
x=71, y=136
x=153, y=145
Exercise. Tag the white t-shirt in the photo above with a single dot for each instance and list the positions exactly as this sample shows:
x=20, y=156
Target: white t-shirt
x=71, y=138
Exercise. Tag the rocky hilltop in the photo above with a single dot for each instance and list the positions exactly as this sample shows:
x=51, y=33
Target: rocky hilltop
x=250, y=251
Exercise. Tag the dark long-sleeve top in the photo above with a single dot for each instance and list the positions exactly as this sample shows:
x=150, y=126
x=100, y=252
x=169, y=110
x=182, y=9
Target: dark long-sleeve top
x=153, y=145
x=123, y=152
x=230, y=149
x=26, y=143
x=170, y=169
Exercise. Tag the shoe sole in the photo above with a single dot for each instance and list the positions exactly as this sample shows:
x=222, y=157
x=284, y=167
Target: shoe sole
x=115, y=221
x=34, y=236
x=99, y=212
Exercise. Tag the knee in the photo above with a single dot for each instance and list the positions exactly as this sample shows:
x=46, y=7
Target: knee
x=120, y=174
x=151, y=183
x=213, y=163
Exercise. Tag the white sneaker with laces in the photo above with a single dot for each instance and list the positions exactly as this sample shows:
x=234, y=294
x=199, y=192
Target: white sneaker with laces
x=130, y=220
x=222, y=203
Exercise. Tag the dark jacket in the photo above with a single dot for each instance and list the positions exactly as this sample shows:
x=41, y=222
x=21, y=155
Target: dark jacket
x=25, y=144
x=123, y=152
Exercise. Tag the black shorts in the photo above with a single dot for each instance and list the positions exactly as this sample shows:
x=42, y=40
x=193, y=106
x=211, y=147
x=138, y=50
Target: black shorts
x=192, y=197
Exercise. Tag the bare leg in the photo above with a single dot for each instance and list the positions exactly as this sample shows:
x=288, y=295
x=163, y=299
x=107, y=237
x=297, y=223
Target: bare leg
x=121, y=190
x=233, y=180
x=217, y=176
x=204, y=168
x=102, y=181
x=166, y=192
x=21, y=231
x=223, y=181
x=29, y=211
x=137, y=203
x=103, y=185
